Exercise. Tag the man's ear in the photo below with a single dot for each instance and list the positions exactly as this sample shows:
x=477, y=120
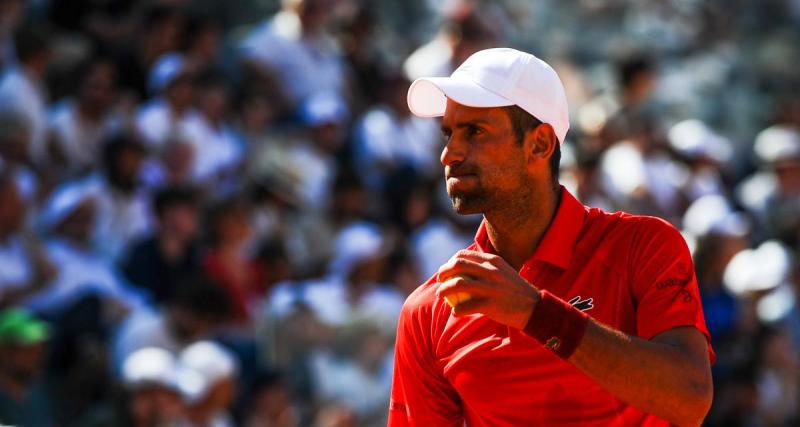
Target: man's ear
x=540, y=143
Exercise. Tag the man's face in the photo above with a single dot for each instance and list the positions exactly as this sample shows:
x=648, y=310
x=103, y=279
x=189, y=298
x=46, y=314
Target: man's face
x=99, y=86
x=182, y=219
x=484, y=163
x=155, y=405
x=127, y=165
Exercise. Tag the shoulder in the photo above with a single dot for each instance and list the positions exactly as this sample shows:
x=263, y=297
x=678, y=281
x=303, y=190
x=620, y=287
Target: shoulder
x=628, y=228
x=620, y=239
x=421, y=300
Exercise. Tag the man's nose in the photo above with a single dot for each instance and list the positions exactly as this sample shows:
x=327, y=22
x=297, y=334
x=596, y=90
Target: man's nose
x=453, y=151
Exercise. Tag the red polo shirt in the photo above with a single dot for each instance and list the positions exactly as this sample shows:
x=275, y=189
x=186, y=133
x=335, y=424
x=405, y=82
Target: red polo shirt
x=633, y=273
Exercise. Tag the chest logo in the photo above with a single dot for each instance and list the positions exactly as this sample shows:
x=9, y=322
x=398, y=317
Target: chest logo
x=582, y=304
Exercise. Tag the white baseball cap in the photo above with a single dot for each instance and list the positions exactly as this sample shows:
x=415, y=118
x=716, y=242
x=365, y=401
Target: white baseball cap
x=496, y=77
x=777, y=143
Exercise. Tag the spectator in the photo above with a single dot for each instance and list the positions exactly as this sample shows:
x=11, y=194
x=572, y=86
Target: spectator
x=721, y=233
x=23, y=398
x=15, y=155
x=22, y=88
x=124, y=208
x=778, y=379
x=173, y=166
x=778, y=205
x=389, y=138
x=218, y=369
x=24, y=268
x=639, y=175
x=80, y=125
x=707, y=155
x=165, y=116
x=157, y=263
x=270, y=403
x=68, y=219
x=352, y=289
x=153, y=385
x=257, y=116
x=228, y=261
x=314, y=154
x=158, y=32
x=198, y=308
x=202, y=40
x=636, y=76
x=12, y=13
x=218, y=150
x=357, y=372
x=294, y=47
x=304, y=188
x=465, y=31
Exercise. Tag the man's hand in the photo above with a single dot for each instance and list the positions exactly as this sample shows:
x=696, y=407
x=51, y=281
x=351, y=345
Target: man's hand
x=495, y=288
x=675, y=361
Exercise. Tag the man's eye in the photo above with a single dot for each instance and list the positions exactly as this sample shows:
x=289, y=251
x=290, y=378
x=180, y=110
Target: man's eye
x=474, y=130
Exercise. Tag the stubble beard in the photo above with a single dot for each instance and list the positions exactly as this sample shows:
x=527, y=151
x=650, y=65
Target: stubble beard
x=514, y=205
x=469, y=202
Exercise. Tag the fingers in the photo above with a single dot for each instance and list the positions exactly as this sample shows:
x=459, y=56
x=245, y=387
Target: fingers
x=475, y=255
x=470, y=263
x=460, y=284
x=473, y=306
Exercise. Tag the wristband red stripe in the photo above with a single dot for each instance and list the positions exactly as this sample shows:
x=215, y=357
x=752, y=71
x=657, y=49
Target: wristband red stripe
x=557, y=325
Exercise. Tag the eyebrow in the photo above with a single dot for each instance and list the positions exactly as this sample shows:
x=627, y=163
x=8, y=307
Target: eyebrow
x=465, y=124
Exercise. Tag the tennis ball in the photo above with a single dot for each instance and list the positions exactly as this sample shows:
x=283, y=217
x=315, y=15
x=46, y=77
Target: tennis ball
x=458, y=297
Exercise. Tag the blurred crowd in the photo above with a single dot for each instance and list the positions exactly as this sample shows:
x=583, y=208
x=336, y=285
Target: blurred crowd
x=212, y=212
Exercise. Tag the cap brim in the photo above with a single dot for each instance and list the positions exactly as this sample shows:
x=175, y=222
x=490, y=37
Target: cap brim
x=427, y=97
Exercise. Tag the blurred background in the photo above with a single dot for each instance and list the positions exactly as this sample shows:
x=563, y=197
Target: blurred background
x=211, y=212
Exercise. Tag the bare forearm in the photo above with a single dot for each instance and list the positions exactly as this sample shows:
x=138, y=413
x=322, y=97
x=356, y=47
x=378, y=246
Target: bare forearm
x=657, y=377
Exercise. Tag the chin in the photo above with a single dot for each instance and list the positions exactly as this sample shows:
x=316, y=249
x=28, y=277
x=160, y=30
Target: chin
x=465, y=205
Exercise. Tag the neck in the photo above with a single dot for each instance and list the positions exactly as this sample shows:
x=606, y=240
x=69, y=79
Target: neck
x=515, y=232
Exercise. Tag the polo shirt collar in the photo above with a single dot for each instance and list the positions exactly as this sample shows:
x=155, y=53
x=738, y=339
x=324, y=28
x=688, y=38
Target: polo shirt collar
x=558, y=242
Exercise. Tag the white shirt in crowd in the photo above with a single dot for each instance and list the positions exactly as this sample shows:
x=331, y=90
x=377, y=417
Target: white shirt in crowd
x=303, y=65
x=384, y=139
x=121, y=219
x=15, y=265
x=215, y=149
x=80, y=272
x=329, y=300
x=156, y=123
x=344, y=380
x=22, y=95
x=79, y=141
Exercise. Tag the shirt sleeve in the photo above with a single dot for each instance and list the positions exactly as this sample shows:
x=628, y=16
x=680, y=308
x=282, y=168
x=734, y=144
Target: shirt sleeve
x=664, y=281
x=421, y=396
